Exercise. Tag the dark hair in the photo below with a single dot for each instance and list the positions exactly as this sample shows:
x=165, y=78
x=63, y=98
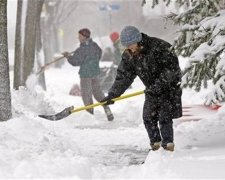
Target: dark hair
x=85, y=32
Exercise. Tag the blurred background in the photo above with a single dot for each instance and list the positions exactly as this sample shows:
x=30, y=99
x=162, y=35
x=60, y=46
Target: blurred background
x=102, y=17
x=42, y=30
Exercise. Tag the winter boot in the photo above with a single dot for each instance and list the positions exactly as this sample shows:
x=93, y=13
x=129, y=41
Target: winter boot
x=155, y=146
x=169, y=147
x=108, y=113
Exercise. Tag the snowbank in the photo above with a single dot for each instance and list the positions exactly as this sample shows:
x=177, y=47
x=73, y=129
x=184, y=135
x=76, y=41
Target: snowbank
x=83, y=146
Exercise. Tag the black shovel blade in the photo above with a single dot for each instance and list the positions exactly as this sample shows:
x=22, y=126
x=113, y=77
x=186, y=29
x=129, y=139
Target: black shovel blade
x=66, y=112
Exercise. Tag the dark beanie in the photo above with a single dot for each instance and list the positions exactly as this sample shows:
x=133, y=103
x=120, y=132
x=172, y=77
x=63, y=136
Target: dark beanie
x=130, y=35
x=85, y=32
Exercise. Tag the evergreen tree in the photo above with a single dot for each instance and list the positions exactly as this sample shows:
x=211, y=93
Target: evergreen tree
x=202, y=39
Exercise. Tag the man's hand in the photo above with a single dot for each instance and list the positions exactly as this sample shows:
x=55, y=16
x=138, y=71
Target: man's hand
x=108, y=100
x=66, y=54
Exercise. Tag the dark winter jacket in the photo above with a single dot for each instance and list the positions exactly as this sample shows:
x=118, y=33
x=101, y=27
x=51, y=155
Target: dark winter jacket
x=87, y=56
x=158, y=69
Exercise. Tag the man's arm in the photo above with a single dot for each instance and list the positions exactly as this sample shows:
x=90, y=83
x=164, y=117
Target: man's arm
x=77, y=58
x=125, y=76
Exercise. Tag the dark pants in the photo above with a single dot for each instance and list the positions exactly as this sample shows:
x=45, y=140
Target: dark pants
x=158, y=120
x=89, y=87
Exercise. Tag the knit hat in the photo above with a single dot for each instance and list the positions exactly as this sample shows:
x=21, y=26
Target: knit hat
x=85, y=32
x=114, y=36
x=130, y=35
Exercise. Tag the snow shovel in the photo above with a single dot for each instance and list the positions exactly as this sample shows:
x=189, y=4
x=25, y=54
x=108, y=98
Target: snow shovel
x=42, y=69
x=69, y=110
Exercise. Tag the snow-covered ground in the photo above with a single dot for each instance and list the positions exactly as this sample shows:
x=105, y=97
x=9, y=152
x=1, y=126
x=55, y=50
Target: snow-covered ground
x=83, y=146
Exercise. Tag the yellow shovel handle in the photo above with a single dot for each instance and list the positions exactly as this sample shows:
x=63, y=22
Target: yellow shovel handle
x=102, y=103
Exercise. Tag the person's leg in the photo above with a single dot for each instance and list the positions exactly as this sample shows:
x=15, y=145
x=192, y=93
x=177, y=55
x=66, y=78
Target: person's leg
x=99, y=95
x=166, y=124
x=97, y=92
x=150, y=117
x=86, y=92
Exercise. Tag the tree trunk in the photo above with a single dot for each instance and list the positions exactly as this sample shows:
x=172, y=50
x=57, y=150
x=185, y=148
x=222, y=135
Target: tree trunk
x=48, y=48
x=5, y=97
x=48, y=33
x=30, y=39
x=41, y=77
x=18, y=76
x=56, y=45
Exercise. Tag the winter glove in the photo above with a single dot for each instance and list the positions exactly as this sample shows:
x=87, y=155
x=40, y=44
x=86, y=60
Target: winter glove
x=108, y=100
x=66, y=54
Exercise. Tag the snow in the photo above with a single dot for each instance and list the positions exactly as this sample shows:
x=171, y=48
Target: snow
x=31, y=82
x=161, y=9
x=216, y=25
x=206, y=51
x=83, y=146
